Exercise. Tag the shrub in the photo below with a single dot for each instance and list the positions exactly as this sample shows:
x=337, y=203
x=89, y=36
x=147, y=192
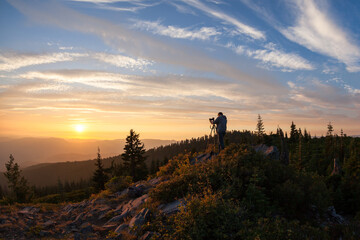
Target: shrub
x=119, y=183
x=205, y=217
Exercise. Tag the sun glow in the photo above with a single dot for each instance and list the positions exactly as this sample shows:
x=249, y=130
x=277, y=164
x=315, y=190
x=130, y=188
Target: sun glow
x=79, y=128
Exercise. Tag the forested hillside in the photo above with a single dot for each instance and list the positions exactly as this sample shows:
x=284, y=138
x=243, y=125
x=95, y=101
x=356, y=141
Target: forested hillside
x=294, y=187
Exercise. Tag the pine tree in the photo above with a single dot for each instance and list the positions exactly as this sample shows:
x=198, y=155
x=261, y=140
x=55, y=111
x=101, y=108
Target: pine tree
x=17, y=184
x=330, y=129
x=260, y=130
x=133, y=156
x=284, y=151
x=293, y=133
x=99, y=178
x=341, y=150
x=260, y=127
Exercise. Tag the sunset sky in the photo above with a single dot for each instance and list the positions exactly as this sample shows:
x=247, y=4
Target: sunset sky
x=97, y=68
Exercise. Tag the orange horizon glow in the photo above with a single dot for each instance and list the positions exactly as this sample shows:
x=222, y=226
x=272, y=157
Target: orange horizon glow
x=153, y=127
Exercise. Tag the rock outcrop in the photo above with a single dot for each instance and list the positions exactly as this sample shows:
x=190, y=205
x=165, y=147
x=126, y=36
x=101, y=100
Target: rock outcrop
x=89, y=219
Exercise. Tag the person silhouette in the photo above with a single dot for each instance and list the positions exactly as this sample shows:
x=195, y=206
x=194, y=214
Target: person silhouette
x=220, y=122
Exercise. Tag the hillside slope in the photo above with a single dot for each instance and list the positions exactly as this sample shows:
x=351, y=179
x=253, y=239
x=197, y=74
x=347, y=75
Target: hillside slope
x=238, y=194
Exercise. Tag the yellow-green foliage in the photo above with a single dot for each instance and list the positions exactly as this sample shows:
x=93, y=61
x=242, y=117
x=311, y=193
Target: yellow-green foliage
x=244, y=190
x=176, y=166
x=206, y=217
x=119, y=183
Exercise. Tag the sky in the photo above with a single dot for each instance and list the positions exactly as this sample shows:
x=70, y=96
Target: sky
x=98, y=68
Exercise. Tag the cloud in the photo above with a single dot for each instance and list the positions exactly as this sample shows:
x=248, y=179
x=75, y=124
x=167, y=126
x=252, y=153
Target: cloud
x=100, y=80
x=315, y=93
x=316, y=30
x=122, y=61
x=182, y=8
x=351, y=90
x=275, y=58
x=241, y=27
x=135, y=5
x=143, y=46
x=12, y=61
x=203, y=33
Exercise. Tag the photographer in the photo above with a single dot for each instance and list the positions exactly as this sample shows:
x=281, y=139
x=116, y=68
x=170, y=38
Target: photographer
x=220, y=122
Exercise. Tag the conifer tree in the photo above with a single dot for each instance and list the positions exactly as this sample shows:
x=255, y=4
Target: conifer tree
x=133, y=156
x=293, y=133
x=284, y=151
x=260, y=129
x=330, y=129
x=20, y=191
x=100, y=177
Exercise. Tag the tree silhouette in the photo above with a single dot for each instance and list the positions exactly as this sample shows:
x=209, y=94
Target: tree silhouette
x=100, y=177
x=133, y=156
x=260, y=129
x=20, y=191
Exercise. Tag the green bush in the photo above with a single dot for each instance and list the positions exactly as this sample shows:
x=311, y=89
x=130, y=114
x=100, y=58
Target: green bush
x=205, y=217
x=119, y=183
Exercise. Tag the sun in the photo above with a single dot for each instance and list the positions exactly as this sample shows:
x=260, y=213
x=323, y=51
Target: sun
x=79, y=128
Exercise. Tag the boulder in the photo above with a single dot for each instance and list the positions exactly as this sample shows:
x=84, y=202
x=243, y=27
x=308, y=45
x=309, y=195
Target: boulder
x=333, y=216
x=79, y=218
x=140, y=218
x=121, y=228
x=172, y=207
x=29, y=210
x=148, y=235
x=270, y=152
x=201, y=158
x=86, y=228
x=48, y=223
x=118, y=218
x=154, y=181
x=134, y=192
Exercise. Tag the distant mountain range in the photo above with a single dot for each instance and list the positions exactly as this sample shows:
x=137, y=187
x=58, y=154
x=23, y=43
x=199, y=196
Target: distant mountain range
x=32, y=151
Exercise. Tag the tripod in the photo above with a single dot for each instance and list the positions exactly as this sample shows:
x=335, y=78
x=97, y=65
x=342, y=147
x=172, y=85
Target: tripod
x=212, y=134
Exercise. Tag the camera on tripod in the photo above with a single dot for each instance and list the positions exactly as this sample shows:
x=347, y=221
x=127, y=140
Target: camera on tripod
x=211, y=120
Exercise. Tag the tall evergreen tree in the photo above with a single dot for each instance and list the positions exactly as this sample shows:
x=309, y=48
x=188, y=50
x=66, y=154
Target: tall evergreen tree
x=20, y=191
x=134, y=156
x=260, y=130
x=284, y=151
x=100, y=177
x=330, y=129
x=293, y=133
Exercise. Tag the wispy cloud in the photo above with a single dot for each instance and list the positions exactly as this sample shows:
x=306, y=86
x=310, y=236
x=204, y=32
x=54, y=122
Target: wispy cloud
x=275, y=58
x=240, y=27
x=122, y=61
x=316, y=93
x=181, y=8
x=316, y=30
x=12, y=61
x=135, y=5
x=203, y=33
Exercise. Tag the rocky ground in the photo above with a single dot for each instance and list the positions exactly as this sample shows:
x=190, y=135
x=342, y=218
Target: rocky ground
x=110, y=217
